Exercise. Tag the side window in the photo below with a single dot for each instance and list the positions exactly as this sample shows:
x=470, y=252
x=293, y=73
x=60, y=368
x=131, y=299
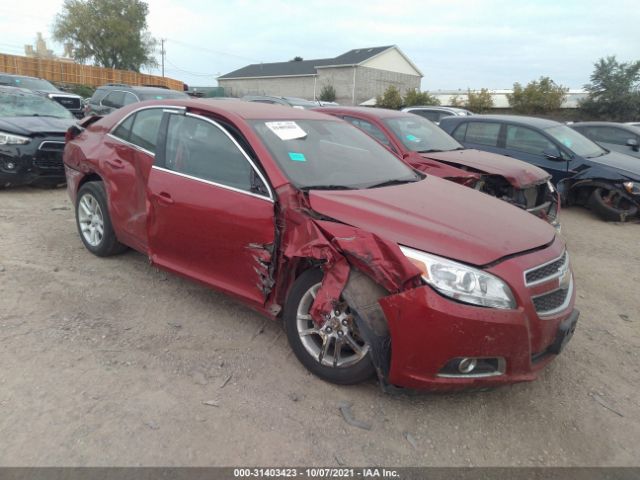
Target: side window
x=123, y=130
x=527, y=140
x=483, y=133
x=145, y=128
x=114, y=99
x=460, y=132
x=129, y=98
x=617, y=136
x=200, y=149
x=370, y=129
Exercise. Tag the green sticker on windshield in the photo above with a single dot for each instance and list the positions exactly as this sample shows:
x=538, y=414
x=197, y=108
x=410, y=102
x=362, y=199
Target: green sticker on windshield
x=413, y=138
x=297, y=157
x=159, y=97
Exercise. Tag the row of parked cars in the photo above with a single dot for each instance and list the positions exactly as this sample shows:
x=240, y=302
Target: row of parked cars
x=389, y=249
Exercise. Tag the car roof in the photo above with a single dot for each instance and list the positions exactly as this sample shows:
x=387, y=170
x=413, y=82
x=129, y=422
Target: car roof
x=136, y=88
x=10, y=89
x=605, y=124
x=515, y=119
x=244, y=110
x=435, y=107
x=368, y=111
x=20, y=76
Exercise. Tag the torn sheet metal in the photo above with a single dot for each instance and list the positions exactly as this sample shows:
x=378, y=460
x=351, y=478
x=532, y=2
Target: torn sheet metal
x=304, y=235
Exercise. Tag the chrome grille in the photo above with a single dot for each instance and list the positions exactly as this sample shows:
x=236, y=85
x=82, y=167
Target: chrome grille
x=51, y=146
x=547, y=271
x=70, y=103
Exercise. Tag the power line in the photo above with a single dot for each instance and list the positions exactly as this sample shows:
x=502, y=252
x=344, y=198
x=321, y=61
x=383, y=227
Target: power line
x=208, y=50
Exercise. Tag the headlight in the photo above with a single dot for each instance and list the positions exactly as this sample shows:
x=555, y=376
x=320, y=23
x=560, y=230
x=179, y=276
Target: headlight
x=461, y=282
x=11, y=139
x=632, y=187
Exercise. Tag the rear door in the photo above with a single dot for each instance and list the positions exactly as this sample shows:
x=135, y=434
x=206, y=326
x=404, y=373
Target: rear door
x=132, y=148
x=480, y=135
x=211, y=211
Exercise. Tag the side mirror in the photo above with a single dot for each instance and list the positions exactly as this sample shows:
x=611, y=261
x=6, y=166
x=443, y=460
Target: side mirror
x=633, y=143
x=552, y=154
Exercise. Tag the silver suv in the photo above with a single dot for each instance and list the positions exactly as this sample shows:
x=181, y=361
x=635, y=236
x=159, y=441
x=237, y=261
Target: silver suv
x=435, y=114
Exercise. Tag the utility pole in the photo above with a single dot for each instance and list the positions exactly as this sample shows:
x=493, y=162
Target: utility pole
x=162, y=53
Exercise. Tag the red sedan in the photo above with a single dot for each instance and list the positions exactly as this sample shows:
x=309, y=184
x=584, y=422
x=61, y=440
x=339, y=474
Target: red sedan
x=373, y=267
x=426, y=147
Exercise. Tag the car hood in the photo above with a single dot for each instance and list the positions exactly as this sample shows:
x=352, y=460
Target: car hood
x=518, y=173
x=437, y=216
x=625, y=165
x=35, y=125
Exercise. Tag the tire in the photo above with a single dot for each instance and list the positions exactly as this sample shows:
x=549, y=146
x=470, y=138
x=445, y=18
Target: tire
x=92, y=215
x=611, y=205
x=352, y=364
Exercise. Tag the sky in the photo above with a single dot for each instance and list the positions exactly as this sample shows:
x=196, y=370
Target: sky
x=456, y=44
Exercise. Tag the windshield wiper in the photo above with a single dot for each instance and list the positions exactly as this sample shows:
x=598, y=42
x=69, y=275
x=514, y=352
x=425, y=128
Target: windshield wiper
x=327, y=187
x=431, y=150
x=397, y=181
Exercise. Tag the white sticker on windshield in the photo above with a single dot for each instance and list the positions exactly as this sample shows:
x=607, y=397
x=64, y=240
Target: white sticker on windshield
x=286, y=130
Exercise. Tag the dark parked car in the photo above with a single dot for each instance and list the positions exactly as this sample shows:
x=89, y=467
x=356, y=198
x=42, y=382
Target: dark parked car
x=286, y=101
x=111, y=97
x=584, y=172
x=425, y=147
x=612, y=136
x=374, y=267
x=70, y=101
x=435, y=114
x=32, y=130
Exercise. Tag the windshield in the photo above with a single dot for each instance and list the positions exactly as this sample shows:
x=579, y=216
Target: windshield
x=163, y=95
x=576, y=142
x=31, y=84
x=420, y=135
x=330, y=154
x=20, y=104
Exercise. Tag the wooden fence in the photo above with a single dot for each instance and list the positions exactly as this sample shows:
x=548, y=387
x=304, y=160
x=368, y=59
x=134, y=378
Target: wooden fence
x=76, y=74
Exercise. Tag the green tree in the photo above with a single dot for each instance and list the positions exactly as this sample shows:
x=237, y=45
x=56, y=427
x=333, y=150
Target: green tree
x=538, y=97
x=415, y=97
x=111, y=33
x=391, y=98
x=457, y=101
x=296, y=59
x=327, y=93
x=479, y=102
x=614, y=90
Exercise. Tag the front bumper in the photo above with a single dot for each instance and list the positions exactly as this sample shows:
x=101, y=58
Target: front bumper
x=429, y=330
x=38, y=161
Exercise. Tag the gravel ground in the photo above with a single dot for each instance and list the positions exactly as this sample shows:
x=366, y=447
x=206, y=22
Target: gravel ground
x=110, y=362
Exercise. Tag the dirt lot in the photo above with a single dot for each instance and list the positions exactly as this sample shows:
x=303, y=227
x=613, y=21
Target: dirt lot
x=109, y=361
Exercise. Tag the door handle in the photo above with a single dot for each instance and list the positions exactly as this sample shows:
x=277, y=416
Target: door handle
x=117, y=163
x=164, y=197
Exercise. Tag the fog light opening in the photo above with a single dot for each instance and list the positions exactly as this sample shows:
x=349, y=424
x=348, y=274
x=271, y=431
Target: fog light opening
x=467, y=365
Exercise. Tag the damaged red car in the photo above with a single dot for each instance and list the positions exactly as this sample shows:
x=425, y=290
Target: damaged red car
x=426, y=147
x=374, y=268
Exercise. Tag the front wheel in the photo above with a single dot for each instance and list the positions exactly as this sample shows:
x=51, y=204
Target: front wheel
x=611, y=205
x=93, y=221
x=335, y=351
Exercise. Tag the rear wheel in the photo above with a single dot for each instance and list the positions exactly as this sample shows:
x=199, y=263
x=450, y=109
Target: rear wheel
x=611, y=205
x=93, y=221
x=334, y=351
